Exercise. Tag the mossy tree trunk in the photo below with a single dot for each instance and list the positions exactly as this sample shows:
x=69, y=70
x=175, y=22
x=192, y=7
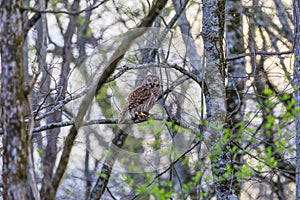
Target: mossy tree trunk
x=213, y=31
x=12, y=100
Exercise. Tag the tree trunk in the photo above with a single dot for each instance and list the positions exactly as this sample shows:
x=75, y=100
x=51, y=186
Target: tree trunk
x=12, y=100
x=214, y=77
x=297, y=90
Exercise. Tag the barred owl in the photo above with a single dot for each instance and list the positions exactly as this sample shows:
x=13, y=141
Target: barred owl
x=142, y=99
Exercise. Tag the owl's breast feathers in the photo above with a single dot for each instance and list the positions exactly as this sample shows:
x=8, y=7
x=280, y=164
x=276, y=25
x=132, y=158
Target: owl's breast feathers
x=138, y=96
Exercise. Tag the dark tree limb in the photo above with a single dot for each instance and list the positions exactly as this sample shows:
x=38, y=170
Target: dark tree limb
x=262, y=53
x=89, y=8
x=107, y=167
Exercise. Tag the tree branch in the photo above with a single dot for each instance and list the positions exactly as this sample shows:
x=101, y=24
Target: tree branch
x=114, y=121
x=89, y=8
x=125, y=68
x=262, y=53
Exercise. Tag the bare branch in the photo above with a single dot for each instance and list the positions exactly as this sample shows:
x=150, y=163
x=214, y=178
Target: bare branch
x=58, y=105
x=115, y=121
x=92, y=7
x=125, y=68
x=31, y=181
x=262, y=53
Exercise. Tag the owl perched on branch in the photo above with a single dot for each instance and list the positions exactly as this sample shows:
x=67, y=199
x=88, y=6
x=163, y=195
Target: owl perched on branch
x=142, y=99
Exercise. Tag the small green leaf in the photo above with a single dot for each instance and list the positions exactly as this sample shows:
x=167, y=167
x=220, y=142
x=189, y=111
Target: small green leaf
x=40, y=151
x=233, y=149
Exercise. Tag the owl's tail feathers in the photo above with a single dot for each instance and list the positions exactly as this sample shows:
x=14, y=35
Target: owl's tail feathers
x=122, y=116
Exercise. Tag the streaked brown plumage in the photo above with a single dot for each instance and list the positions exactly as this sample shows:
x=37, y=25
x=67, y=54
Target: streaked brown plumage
x=142, y=99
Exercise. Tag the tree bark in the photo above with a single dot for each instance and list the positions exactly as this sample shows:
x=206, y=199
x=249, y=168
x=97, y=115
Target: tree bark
x=297, y=90
x=12, y=100
x=214, y=77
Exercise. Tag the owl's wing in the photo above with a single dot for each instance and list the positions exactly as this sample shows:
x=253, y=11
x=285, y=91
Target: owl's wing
x=135, y=98
x=138, y=96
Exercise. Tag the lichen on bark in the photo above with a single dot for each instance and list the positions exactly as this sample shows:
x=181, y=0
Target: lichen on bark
x=214, y=77
x=12, y=100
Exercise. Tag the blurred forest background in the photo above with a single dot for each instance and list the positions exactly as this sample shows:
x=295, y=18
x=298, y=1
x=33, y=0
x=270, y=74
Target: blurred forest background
x=223, y=126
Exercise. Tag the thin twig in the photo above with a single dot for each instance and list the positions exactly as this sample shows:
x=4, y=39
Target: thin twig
x=125, y=68
x=262, y=53
x=65, y=12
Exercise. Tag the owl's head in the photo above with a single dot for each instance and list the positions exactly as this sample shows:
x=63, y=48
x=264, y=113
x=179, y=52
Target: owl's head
x=151, y=81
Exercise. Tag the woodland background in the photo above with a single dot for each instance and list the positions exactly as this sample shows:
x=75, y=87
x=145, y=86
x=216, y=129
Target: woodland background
x=225, y=125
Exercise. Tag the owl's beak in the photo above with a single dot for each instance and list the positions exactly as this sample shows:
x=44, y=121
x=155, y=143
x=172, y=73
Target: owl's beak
x=152, y=84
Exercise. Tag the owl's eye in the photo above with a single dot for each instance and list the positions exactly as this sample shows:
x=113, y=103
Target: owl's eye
x=149, y=80
x=155, y=80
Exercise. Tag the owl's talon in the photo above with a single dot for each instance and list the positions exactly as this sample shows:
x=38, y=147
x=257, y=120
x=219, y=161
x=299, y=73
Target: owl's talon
x=140, y=115
x=144, y=114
